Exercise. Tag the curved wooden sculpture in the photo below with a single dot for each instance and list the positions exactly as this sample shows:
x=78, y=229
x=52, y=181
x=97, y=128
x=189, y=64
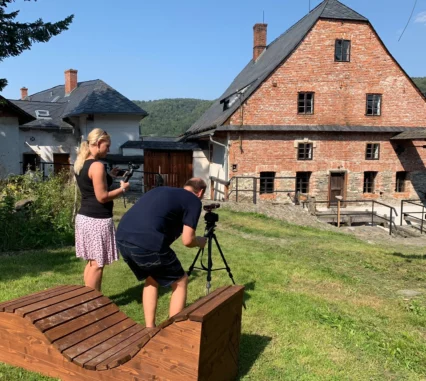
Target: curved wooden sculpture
x=76, y=333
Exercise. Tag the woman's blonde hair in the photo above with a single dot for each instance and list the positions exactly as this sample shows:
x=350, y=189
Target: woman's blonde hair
x=95, y=136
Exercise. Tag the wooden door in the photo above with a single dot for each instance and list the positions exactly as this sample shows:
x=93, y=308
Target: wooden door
x=336, y=187
x=174, y=166
x=61, y=162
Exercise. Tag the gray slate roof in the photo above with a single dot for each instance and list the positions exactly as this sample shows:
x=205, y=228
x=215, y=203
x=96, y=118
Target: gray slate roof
x=56, y=111
x=23, y=116
x=412, y=134
x=317, y=128
x=275, y=53
x=90, y=97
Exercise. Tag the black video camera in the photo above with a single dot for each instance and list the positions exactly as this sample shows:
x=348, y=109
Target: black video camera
x=131, y=168
x=210, y=207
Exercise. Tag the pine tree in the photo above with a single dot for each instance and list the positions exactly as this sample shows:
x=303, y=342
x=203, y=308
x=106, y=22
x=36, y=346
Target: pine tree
x=15, y=37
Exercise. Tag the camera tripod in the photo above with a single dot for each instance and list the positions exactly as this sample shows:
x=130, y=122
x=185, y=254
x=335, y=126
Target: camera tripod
x=211, y=219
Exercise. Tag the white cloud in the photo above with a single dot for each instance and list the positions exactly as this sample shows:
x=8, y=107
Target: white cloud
x=421, y=17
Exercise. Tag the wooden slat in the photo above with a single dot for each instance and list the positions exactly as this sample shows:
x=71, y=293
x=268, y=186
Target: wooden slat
x=52, y=321
x=119, y=353
x=207, y=309
x=95, y=340
x=184, y=314
x=104, y=346
x=89, y=331
x=26, y=300
x=45, y=304
x=59, y=307
x=81, y=322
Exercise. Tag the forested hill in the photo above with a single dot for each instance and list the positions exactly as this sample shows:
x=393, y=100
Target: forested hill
x=172, y=117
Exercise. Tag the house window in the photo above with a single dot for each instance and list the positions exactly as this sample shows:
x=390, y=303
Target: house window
x=374, y=104
x=304, y=151
x=342, y=51
x=400, y=181
x=372, y=151
x=267, y=180
x=369, y=179
x=305, y=103
x=302, y=182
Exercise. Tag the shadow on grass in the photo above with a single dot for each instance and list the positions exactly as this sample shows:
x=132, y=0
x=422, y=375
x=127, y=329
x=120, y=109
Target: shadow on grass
x=410, y=256
x=251, y=347
x=135, y=293
x=16, y=265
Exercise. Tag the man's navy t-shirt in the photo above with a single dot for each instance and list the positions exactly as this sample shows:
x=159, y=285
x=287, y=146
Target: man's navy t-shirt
x=157, y=218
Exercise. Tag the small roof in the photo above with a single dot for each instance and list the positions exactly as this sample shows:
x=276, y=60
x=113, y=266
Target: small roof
x=253, y=75
x=162, y=145
x=412, y=134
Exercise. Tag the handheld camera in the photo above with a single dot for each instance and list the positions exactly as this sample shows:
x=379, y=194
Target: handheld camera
x=131, y=168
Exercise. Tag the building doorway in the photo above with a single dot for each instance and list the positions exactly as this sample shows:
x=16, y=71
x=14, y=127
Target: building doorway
x=61, y=162
x=337, y=187
x=30, y=161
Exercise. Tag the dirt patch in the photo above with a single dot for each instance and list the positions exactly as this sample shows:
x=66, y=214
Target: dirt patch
x=295, y=214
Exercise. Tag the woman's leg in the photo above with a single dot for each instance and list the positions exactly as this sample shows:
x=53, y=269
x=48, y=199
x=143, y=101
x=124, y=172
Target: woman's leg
x=149, y=301
x=93, y=275
x=178, y=299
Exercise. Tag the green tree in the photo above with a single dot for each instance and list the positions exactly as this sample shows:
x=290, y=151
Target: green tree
x=421, y=83
x=15, y=37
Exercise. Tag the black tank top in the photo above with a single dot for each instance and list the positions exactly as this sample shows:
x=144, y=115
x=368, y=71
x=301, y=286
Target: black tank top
x=90, y=206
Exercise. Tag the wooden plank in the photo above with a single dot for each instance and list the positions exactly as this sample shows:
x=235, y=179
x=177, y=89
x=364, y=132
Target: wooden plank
x=59, y=307
x=26, y=300
x=89, y=331
x=81, y=322
x=184, y=314
x=119, y=353
x=114, y=339
x=52, y=321
x=92, y=342
x=203, y=313
x=24, y=297
x=45, y=304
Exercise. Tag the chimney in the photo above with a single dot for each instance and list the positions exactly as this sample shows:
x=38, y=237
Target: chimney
x=70, y=80
x=259, y=40
x=24, y=93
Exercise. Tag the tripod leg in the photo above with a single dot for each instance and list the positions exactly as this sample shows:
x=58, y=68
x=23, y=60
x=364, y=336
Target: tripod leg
x=224, y=260
x=193, y=263
x=209, y=264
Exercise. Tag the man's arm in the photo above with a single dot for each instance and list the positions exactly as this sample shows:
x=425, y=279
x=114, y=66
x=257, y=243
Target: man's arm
x=189, y=239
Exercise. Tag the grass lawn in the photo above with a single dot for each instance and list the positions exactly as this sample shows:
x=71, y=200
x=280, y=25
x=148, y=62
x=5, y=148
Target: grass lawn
x=320, y=305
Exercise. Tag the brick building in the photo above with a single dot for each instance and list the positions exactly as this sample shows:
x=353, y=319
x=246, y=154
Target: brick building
x=325, y=104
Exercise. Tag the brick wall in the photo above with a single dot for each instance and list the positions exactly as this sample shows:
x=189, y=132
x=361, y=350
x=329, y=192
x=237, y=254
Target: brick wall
x=340, y=99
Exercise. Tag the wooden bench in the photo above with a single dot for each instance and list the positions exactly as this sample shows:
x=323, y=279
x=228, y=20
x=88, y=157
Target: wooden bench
x=76, y=333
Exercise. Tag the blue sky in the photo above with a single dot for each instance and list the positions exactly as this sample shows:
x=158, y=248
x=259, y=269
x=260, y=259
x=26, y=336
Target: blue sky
x=181, y=49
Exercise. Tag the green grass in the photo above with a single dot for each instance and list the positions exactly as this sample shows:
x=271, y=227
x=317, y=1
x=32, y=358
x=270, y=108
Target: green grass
x=320, y=305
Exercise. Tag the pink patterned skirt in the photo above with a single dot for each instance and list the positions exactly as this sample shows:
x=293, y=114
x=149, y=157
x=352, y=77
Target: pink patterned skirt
x=95, y=239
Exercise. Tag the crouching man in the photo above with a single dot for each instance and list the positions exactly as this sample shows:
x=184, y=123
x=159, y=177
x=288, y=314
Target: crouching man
x=144, y=236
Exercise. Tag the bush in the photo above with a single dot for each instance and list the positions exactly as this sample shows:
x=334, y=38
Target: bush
x=47, y=221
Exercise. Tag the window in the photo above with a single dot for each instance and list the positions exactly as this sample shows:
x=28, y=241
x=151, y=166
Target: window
x=374, y=104
x=372, y=151
x=267, y=182
x=400, y=181
x=342, y=51
x=302, y=182
x=304, y=151
x=305, y=103
x=369, y=179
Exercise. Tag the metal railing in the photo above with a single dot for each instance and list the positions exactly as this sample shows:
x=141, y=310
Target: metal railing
x=409, y=215
x=390, y=220
x=260, y=186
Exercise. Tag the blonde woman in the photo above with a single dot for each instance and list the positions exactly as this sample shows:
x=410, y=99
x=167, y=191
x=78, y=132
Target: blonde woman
x=94, y=228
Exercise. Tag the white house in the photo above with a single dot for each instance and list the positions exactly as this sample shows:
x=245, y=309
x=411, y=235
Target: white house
x=62, y=116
